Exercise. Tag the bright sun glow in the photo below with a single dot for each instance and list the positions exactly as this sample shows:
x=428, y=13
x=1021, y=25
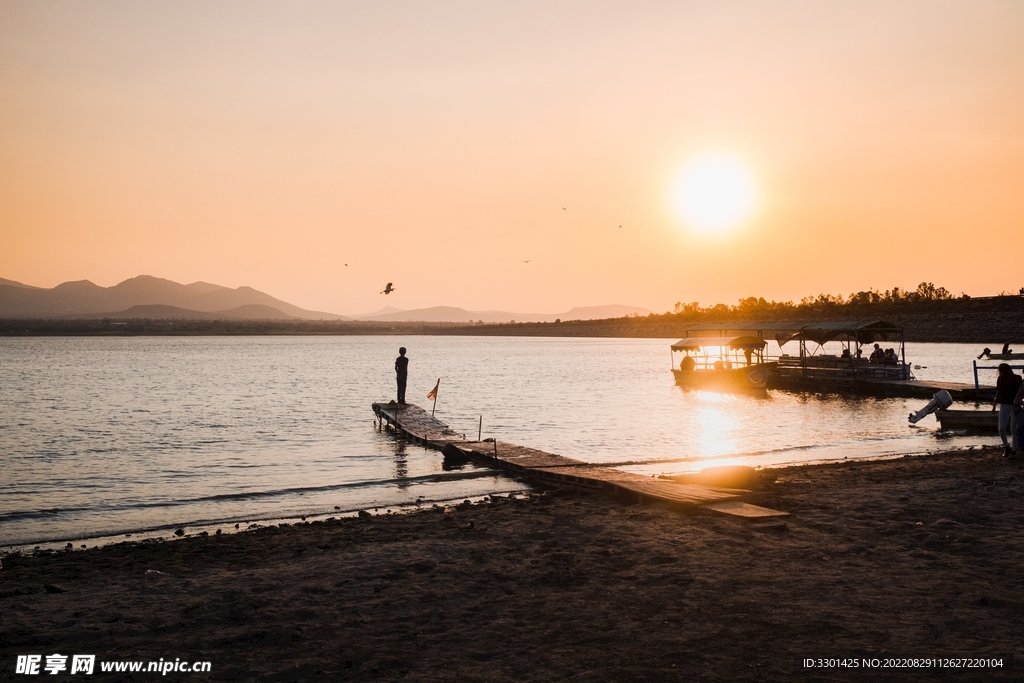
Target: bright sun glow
x=714, y=193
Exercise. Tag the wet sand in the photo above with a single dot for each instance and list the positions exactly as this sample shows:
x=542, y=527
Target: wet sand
x=921, y=557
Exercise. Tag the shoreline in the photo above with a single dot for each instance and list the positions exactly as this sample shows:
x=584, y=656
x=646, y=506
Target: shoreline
x=224, y=527
x=971, y=322
x=197, y=527
x=913, y=557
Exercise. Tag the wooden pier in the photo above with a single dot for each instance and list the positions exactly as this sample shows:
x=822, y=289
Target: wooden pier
x=416, y=424
x=907, y=388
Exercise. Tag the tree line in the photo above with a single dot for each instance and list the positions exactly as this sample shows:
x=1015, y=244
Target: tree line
x=895, y=300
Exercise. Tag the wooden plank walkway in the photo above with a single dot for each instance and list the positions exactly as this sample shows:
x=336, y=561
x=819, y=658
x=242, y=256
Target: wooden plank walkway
x=919, y=388
x=908, y=388
x=418, y=425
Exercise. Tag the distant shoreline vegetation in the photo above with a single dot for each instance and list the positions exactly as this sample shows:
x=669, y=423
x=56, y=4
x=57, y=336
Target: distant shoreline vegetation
x=928, y=314
x=892, y=300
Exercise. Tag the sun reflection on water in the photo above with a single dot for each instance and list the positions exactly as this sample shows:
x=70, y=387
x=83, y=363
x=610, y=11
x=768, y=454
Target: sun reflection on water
x=717, y=432
x=714, y=397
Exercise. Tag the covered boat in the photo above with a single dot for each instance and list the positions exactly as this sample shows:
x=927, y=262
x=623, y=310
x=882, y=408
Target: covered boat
x=851, y=365
x=721, y=363
x=831, y=355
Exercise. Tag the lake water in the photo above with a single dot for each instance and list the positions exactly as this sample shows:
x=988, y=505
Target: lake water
x=104, y=436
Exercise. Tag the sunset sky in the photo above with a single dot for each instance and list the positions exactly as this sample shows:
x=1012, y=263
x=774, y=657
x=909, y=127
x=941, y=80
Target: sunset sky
x=433, y=145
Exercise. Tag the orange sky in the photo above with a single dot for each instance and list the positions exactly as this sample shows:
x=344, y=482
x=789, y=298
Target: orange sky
x=434, y=144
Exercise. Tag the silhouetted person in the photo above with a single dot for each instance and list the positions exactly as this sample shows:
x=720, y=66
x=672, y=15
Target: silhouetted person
x=1007, y=386
x=1018, y=409
x=402, y=371
x=688, y=364
x=748, y=353
x=1006, y=349
x=877, y=355
x=846, y=354
x=985, y=353
x=1018, y=413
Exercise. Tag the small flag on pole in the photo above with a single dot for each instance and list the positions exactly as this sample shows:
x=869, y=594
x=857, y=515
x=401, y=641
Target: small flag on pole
x=433, y=395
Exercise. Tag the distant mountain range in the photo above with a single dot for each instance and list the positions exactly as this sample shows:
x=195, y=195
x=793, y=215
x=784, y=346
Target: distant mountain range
x=156, y=298
x=147, y=297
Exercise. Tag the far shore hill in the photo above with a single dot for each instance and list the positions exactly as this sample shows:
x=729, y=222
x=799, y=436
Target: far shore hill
x=151, y=306
x=147, y=297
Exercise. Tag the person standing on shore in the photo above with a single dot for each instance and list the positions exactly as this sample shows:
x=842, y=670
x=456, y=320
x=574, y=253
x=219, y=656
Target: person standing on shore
x=402, y=371
x=1018, y=415
x=1007, y=386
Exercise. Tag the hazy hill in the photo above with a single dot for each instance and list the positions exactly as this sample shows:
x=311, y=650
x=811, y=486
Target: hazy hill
x=164, y=312
x=12, y=283
x=601, y=312
x=156, y=298
x=83, y=298
x=451, y=314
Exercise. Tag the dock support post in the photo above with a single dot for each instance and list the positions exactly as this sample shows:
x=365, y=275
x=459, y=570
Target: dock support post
x=977, y=388
x=480, y=428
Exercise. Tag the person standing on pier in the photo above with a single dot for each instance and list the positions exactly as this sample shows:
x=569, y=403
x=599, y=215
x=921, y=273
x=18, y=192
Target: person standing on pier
x=402, y=370
x=1007, y=386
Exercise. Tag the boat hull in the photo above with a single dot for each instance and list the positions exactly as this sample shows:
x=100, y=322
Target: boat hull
x=974, y=420
x=1005, y=356
x=746, y=377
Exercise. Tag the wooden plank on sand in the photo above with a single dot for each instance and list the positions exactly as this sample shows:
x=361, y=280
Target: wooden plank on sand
x=741, y=509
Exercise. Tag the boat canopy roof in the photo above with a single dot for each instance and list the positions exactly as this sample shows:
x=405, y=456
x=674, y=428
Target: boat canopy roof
x=863, y=331
x=696, y=343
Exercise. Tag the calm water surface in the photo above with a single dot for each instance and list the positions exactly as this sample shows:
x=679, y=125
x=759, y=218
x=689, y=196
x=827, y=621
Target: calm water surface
x=104, y=436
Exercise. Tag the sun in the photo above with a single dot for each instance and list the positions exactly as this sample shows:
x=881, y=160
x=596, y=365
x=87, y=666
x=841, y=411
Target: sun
x=714, y=193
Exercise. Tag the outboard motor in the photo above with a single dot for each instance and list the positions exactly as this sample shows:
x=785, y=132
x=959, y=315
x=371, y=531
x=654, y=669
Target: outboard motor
x=940, y=401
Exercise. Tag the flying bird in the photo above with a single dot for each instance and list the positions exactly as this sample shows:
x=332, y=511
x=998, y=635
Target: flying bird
x=619, y=226
x=564, y=208
x=527, y=261
x=388, y=289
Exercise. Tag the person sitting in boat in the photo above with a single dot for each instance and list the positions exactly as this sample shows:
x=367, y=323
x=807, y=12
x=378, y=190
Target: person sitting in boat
x=877, y=356
x=719, y=365
x=688, y=364
x=1006, y=349
x=890, y=357
x=845, y=354
x=985, y=353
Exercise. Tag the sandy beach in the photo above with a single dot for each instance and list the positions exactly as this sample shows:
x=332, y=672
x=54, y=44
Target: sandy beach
x=879, y=563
